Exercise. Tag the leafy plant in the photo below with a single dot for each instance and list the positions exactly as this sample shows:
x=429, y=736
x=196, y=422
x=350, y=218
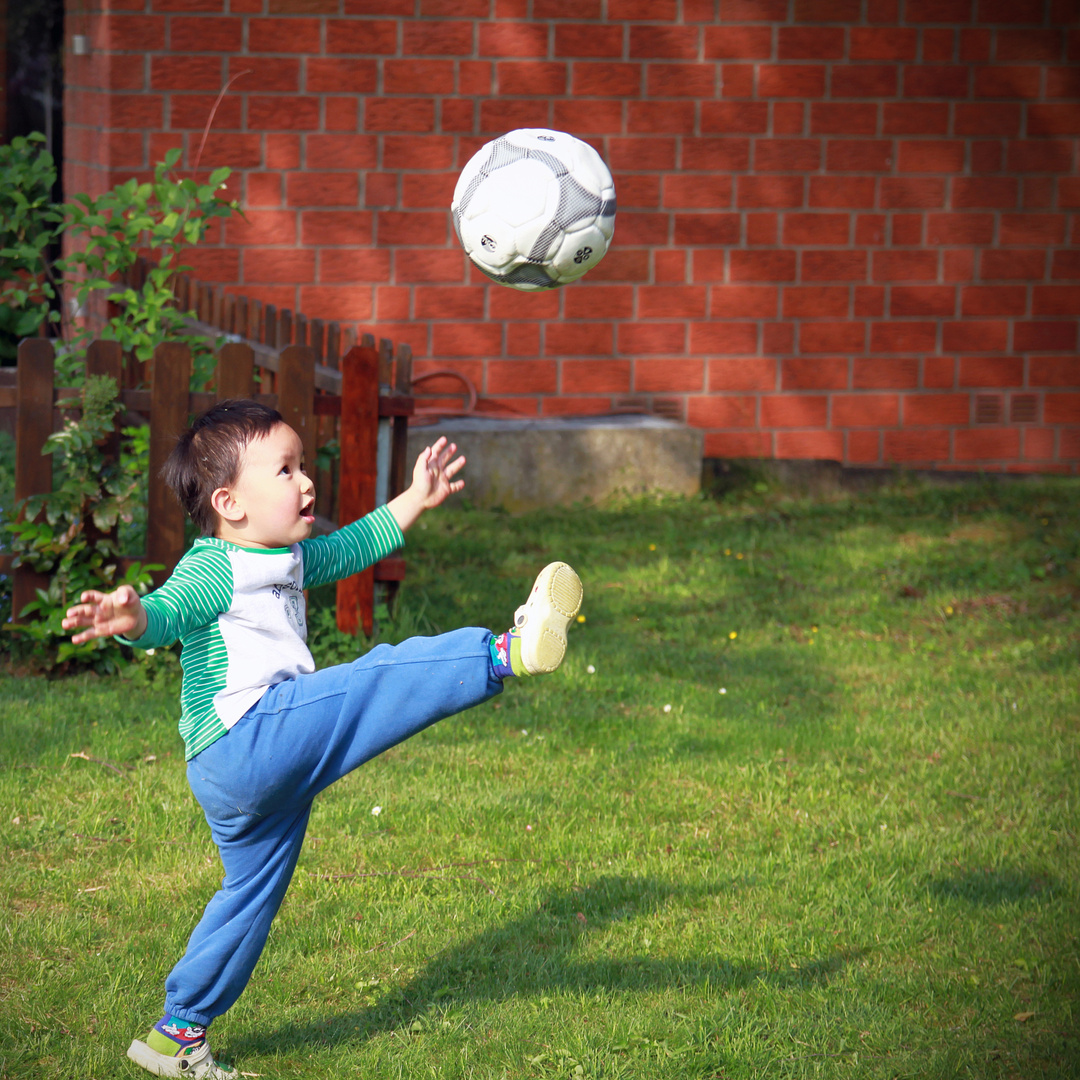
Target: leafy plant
x=107, y=235
x=69, y=534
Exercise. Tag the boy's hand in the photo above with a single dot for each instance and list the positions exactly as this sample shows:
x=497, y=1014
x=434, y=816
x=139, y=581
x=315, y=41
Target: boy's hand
x=433, y=480
x=433, y=471
x=105, y=614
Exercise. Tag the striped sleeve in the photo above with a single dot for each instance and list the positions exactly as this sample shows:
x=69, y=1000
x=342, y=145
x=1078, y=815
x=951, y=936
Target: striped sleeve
x=200, y=589
x=351, y=549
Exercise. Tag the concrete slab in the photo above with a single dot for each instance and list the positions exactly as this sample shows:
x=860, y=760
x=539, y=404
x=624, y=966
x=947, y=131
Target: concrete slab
x=526, y=464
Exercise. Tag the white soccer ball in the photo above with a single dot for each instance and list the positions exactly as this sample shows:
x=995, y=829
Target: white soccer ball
x=534, y=209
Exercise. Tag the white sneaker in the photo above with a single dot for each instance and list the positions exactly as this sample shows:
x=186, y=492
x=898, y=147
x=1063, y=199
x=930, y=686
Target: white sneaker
x=199, y=1064
x=540, y=623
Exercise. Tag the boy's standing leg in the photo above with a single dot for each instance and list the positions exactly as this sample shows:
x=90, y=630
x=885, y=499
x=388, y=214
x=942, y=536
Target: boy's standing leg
x=256, y=784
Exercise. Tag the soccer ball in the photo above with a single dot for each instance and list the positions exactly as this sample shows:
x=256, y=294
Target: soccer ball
x=534, y=209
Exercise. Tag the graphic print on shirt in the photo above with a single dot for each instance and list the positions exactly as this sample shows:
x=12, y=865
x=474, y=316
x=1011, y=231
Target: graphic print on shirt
x=293, y=603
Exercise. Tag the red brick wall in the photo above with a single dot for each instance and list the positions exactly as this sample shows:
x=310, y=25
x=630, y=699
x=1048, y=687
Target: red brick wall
x=847, y=229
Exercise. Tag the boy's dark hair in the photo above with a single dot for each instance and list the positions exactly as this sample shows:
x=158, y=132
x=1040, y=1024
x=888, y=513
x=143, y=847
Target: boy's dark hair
x=207, y=456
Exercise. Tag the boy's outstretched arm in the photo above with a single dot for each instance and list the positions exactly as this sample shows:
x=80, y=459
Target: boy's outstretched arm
x=107, y=614
x=433, y=480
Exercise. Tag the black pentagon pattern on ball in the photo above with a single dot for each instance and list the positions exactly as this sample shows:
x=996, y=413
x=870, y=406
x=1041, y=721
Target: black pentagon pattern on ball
x=575, y=203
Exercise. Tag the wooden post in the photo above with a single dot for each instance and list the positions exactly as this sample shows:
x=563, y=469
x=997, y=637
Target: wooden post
x=359, y=469
x=235, y=371
x=33, y=469
x=296, y=395
x=168, y=419
x=106, y=358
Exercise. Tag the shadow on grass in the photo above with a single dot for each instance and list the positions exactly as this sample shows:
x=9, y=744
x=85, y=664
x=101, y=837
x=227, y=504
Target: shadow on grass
x=991, y=888
x=534, y=955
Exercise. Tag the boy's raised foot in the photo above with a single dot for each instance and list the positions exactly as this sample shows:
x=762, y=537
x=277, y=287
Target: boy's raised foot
x=540, y=623
x=196, y=1062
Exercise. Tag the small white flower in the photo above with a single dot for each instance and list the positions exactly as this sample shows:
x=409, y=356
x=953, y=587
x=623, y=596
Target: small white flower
x=667, y=708
x=524, y=731
x=723, y=689
x=591, y=670
x=150, y=652
x=376, y=811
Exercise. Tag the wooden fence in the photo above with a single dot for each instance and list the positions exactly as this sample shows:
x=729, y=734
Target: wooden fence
x=347, y=402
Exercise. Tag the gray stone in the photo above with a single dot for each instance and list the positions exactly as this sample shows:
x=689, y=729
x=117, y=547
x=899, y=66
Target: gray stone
x=526, y=464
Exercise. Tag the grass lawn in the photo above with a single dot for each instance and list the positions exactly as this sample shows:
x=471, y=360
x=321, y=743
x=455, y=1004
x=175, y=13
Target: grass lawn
x=804, y=801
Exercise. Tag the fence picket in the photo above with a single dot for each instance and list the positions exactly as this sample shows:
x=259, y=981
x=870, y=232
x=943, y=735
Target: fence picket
x=296, y=395
x=168, y=419
x=235, y=371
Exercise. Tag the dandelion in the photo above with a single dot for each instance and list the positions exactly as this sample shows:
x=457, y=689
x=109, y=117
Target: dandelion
x=727, y=551
x=948, y=609
x=581, y=618
x=813, y=629
x=667, y=708
x=733, y=635
x=652, y=547
x=591, y=670
x=376, y=811
x=739, y=555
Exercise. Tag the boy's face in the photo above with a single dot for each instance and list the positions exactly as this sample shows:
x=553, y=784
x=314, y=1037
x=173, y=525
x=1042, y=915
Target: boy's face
x=272, y=503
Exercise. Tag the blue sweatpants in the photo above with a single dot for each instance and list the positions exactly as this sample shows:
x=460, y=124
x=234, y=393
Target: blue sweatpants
x=256, y=785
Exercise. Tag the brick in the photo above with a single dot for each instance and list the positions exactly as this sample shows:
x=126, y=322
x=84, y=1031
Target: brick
x=932, y=410
x=747, y=266
x=818, y=11
x=277, y=266
x=1046, y=337
x=226, y=148
x=648, y=229
x=865, y=410
x=910, y=446
x=915, y=118
x=566, y=9
x=787, y=155
x=738, y=43
x=903, y=337
x=588, y=40
x=661, y=116
x=413, y=227
x=219, y=266
x=993, y=300
x=845, y=118
x=449, y=302
x=262, y=227
x=606, y=80
x=1013, y=265
x=641, y=192
x=750, y=444
x=703, y=229
x=436, y=38
x=723, y=338
x=590, y=116
x=788, y=118
x=892, y=266
x=705, y=153
x=930, y=155
x=907, y=229
x=669, y=376
x=529, y=77
x=1037, y=192
x=834, y=266
x=265, y=74
x=571, y=406
x=923, y=300
x=320, y=228
x=909, y=193
x=666, y=338
x=1065, y=265
x=863, y=448
x=819, y=374
x=1044, y=46
x=975, y=336
x=936, y=81
x=1032, y=229
x=938, y=11
x=762, y=229
x=743, y=374
x=622, y=264
x=263, y=189
x=1052, y=120
x=780, y=192
x=690, y=191
x=891, y=374
x=987, y=444
x=810, y=445
x=832, y=337
x=283, y=36
x=794, y=410
x=392, y=302
x=1056, y=300
x=144, y=111
x=517, y=376
x=890, y=43
x=428, y=266
x=365, y=37
x=200, y=34
x=595, y=376
x=350, y=303
x=514, y=39
x=728, y=411
x=816, y=301
x=1038, y=445
x=186, y=73
x=791, y=80
x=1061, y=408
x=743, y=301
x=341, y=151
x=1062, y=83
x=669, y=267
x=282, y=113
x=999, y=119
x=405, y=76
x=322, y=189
x=868, y=302
x=641, y=153
x=1040, y=155
x=399, y=114
x=817, y=229
x=1055, y=371
x=859, y=156
x=339, y=75
x=750, y=118
x=340, y=114
x=938, y=45
x=664, y=42
x=672, y=301
x=1007, y=82
x=864, y=80
x=427, y=190
x=991, y=371
x=777, y=338
x=302, y=7
x=682, y=80
x=656, y=10
x=959, y=228
x=939, y=373
x=137, y=33
x=738, y=11
x=507, y=304
x=810, y=43
x=469, y=339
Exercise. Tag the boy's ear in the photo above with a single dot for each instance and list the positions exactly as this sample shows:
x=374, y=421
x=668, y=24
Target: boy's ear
x=225, y=506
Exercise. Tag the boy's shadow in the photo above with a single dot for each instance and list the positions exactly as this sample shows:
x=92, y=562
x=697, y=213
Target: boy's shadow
x=534, y=955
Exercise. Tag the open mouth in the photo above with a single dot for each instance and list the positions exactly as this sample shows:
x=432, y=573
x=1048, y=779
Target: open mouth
x=307, y=512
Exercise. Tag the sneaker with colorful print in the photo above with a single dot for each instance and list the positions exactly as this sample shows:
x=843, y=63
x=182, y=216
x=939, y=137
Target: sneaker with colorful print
x=177, y=1047
x=536, y=643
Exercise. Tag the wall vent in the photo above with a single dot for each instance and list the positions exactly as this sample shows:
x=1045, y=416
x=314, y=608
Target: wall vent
x=1024, y=408
x=989, y=408
x=671, y=408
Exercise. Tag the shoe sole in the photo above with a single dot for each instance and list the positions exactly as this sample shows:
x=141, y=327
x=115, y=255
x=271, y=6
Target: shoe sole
x=542, y=620
x=163, y=1065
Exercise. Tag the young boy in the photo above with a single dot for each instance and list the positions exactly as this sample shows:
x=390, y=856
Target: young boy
x=263, y=731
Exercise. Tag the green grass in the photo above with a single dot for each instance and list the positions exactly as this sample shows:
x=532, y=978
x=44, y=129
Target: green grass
x=849, y=848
